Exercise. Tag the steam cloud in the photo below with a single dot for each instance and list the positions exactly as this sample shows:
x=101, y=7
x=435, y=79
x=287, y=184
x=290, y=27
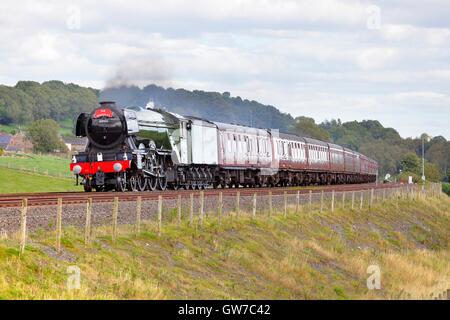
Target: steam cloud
x=141, y=70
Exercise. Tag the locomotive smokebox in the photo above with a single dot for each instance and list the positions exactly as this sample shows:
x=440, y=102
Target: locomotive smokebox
x=105, y=127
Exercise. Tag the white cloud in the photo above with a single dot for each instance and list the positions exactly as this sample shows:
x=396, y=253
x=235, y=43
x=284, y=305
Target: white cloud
x=374, y=58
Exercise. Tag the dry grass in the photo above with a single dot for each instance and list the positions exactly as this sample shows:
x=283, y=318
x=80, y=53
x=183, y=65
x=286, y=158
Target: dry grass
x=310, y=255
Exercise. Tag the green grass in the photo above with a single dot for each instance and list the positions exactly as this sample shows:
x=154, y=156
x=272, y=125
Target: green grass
x=446, y=188
x=15, y=181
x=40, y=163
x=309, y=255
x=11, y=128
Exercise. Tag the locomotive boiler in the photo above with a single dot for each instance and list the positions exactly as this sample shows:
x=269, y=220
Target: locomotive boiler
x=141, y=149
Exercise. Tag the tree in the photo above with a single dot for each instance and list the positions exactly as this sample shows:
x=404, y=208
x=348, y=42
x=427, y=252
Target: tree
x=411, y=163
x=44, y=134
x=307, y=127
x=432, y=172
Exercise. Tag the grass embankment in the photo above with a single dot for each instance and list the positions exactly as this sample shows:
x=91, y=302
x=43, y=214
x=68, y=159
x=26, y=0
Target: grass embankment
x=16, y=181
x=304, y=256
x=55, y=166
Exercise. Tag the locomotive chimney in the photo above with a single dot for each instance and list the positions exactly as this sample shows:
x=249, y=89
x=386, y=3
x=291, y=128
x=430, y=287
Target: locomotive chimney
x=107, y=104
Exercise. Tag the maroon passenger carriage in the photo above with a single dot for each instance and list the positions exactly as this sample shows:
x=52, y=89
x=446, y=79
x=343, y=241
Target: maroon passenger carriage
x=146, y=149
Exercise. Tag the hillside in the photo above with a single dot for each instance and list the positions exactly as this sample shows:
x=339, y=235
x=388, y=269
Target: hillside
x=29, y=100
x=388, y=148
x=310, y=256
x=210, y=105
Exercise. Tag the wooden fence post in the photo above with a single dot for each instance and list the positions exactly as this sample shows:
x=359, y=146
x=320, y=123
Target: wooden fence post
x=361, y=200
x=23, y=225
x=254, y=206
x=343, y=200
x=285, y=204
x=310, y=200
x=371, y=198
x=114, y=218
x=321, y=202
x=202, y=199
x=138, y=214
x=159, y=215
x=87, y=226
x=220, y=208
x=270, y=203
x=191, y=210
x=353, y=200
x=238, y=196
x=397, y=197
x=179, y=210
x=297, y=207
x=332, y=201
x=384, y=195
x=58, y=225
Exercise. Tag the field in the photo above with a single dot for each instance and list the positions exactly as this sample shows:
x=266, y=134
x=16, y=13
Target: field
x=45, y=164
x=15, y=181
x=66, y=128
x=310, y=255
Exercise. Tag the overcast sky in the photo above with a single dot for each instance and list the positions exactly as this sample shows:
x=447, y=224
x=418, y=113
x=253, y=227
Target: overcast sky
x=353, y=60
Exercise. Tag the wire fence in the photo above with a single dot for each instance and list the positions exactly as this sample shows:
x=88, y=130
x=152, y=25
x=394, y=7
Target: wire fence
x=194, y=210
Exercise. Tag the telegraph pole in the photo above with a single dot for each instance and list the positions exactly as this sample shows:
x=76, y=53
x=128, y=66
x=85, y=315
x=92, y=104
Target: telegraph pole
x=423, y=159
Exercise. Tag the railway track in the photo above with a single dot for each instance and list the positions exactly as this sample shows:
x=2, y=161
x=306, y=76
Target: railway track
x=51, y=198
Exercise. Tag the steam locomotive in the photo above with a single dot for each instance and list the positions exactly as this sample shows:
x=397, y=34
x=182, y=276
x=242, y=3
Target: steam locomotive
x=139, y=149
